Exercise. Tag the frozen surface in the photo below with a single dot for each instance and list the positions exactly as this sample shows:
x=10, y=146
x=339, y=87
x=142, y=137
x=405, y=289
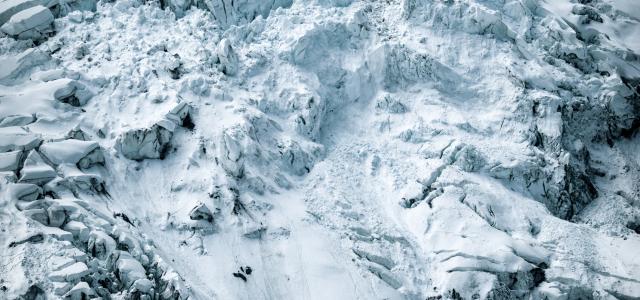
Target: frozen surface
x=323, y=149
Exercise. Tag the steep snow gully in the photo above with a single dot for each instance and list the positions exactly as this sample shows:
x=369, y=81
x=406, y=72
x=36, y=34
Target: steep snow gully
x=320, y=149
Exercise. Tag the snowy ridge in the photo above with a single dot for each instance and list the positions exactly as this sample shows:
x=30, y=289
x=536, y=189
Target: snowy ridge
x=327, y=149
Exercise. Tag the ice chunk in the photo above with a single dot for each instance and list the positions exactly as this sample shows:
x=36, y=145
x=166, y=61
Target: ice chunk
x=17, y=120
x=16, y=138
x=58, y=234
x=69, y=151
x=142, y=285
x=129, y=269
x=57, y=215
x=138, y=144
x=400, y=66
x=228, y=57
x=48, y=75
x=60, y=288
x=7, y=177
x=179, y=113
x=30, y=23
x=78, y=229
x=72, y=92
x=201, y=212
x=13, y=66
x=73, y=177
x=37, y=214
x=412, y=193
x=391, y=105
x=100, y=244
x=10, y=161
x=80, y=291
x=60, y=262
x=229, y=12
x=9, y=8
x=36, y=170
x=25, y=191
x=295, y=158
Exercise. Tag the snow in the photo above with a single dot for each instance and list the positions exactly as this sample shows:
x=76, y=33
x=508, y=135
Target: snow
x=70, y=273
x=68, y=151
x=38, y=17
x=321, y=149
x=11, y=7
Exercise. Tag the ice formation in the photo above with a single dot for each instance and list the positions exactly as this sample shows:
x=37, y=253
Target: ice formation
x=320, y=149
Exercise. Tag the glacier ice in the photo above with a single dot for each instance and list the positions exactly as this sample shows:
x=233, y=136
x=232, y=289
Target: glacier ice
x=321, y=149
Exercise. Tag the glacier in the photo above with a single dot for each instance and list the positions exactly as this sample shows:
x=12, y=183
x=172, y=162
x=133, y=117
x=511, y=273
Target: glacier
x=319, y=149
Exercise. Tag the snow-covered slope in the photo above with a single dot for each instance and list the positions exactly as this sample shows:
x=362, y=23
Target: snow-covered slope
x=322, y=149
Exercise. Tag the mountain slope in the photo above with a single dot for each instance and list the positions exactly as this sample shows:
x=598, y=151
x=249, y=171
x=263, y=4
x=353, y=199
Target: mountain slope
x=320, y=149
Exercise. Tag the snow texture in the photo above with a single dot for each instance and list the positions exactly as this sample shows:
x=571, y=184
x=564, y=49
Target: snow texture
x=320, y=149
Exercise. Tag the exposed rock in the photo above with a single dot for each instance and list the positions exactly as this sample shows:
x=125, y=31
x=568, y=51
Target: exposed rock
x=253, y=230
x=295, y=159
x=78, y=134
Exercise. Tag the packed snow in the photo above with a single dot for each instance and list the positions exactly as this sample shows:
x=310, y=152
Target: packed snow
x=321, y=149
